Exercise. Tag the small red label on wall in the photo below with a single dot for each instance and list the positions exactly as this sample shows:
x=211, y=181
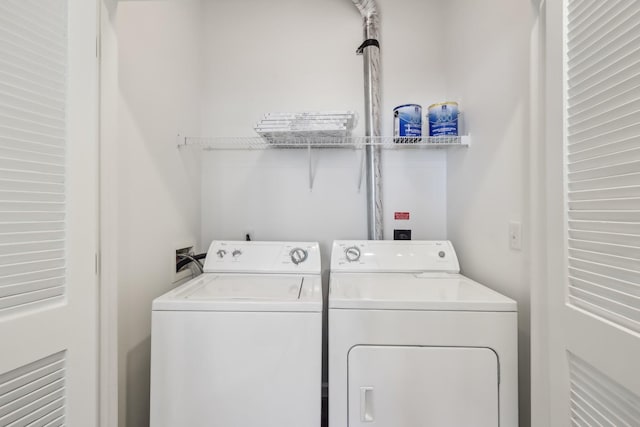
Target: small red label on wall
x=401, y=215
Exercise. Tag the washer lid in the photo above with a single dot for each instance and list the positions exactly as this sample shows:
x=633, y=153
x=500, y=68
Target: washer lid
x=244, y=292
x=408, y=291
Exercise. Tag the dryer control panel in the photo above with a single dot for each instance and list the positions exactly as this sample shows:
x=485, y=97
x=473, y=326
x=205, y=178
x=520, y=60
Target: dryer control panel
x=263, y=257
x=394, y=256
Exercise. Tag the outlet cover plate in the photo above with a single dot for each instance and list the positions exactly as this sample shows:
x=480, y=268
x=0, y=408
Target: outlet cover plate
x=401, y=234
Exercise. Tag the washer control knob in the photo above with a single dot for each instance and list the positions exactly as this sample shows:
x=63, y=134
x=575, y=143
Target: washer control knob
x=221, y=253
x=442, y=254
x=298, y=255
x=352, y=253
x=236, y=253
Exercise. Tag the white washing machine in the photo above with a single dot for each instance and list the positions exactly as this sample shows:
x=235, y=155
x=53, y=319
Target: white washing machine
x=414, y=343
x=241, y=344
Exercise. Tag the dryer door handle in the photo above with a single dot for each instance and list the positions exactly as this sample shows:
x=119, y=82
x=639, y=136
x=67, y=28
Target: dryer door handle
x=366, y=404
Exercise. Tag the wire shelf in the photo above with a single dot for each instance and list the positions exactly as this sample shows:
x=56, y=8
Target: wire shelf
x=353, y=142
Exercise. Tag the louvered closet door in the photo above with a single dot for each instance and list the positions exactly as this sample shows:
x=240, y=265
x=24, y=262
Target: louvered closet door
x=596, y=349
x=48, y=216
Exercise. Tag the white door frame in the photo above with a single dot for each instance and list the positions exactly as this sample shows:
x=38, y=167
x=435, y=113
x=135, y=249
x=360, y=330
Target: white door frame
x=538, y=216
x=554, y=159
x=107, y=46
x=547, y=233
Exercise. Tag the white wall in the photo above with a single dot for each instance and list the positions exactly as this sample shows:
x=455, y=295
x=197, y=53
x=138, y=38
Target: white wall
x=488, y=63
x=158, y=186
x=300, y=55
x=213, y=69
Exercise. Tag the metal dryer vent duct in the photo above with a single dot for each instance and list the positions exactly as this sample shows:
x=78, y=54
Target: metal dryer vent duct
x=370, y=49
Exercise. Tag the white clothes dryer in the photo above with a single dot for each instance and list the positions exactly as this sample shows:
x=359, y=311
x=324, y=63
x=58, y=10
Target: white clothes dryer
x=414, y=343
x=241, y=344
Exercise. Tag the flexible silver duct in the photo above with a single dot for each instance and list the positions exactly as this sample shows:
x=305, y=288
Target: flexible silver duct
x=371, y=53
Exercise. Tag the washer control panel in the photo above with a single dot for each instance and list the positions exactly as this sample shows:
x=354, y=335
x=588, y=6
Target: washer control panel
x=394, y=256
x=263, y=257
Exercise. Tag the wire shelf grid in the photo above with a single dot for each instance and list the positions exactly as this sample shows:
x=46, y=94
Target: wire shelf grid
x=353, y=142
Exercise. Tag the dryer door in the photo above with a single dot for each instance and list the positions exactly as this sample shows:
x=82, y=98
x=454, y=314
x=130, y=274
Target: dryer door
x=404, y=386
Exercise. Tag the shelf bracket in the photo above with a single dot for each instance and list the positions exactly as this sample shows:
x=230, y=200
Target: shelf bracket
x=361, y=170
x=310, y=166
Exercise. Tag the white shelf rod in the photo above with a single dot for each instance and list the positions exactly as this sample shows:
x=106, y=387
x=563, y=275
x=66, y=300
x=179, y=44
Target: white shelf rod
x=257, y=143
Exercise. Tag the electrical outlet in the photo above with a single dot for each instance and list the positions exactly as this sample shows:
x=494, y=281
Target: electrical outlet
x=401, y=234
x=515, y=235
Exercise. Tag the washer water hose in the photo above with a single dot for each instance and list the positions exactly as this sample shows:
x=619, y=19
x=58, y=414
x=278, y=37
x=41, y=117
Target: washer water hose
x=194, y=260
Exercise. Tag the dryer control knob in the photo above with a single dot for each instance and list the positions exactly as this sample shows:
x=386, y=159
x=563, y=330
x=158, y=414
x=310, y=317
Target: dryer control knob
x=236, y=253
x=352, y=253
x=442, y=254
x=221, y=253
x=298, y=255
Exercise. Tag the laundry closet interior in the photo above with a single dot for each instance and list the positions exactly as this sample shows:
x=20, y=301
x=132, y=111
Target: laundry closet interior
x=212, y=68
